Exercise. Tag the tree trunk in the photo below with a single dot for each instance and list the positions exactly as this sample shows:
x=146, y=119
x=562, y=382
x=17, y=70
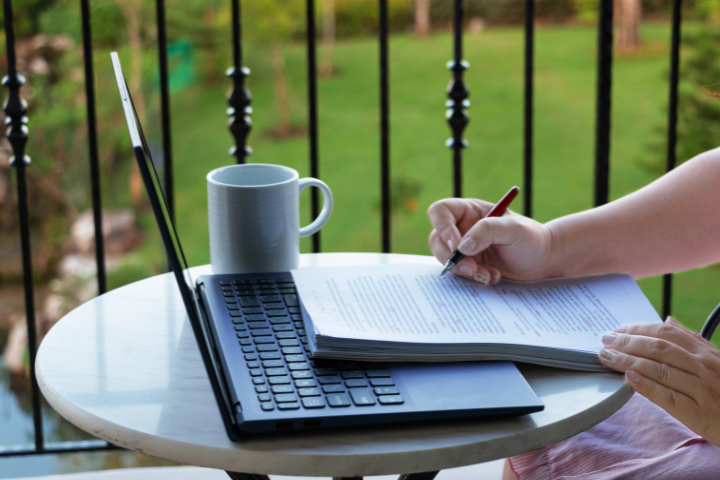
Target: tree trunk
x=131, y=12
x=328, y=40
x=282, y=106
x=422, y=18
x=629, y=13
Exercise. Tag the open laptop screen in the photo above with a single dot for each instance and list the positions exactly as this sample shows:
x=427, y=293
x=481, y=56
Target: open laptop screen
x=138, y=140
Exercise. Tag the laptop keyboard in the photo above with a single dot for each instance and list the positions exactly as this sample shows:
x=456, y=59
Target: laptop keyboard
x=269, y=326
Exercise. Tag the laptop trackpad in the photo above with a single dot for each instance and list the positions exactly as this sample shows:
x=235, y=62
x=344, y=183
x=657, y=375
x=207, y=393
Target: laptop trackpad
x=470, y=385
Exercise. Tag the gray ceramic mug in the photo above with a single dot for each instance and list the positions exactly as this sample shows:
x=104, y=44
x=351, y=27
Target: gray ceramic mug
x=254, y=216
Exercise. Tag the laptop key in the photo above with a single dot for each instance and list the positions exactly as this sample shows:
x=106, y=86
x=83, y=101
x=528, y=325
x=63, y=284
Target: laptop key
x=250, y=357
x=288, y=406
x=274, y=372
x=255, y=317
x=282, y=327
x=333, y=388
x=301, y=332
x=297, y=317
x=327, y=379
x=230, y=299
x=270, y=298
x=254, y=325
x=285, y=335
x=386, y=391
x=273, y=363
x=338, y=400
x=261, y=389
x=246, y=293
x=291, y=300
x=266, y=291
x=247, y=349
x=286, y=397
x=282, y=389
x=308, y=392
x=237, y=316
x=253, y=364
x=243, y=334
x=352, y=374
x=233, y=306
x=356, y=382
x=304, y=383
x=261, y=340
x=262, y=332
x=264, y=281
x=229, y=294
x=294, y=358
x=245, y=342
x=302, y=374
x=267, y=406
x=294, y=309
x=249, y=310
x=241, y=282
x=382, y=382
x=298, y=366
x=326, y=371
x=270, y=356
x=279, y=380
x=313, y=402
x=287, y=290
x=390, y=399
x=275, y=313
x=265, y=397
x=303, y=340
x=249, y=301
x=299, y=324
x=266, y=348
x=290, y=342
x=259, y=381
x=240, y=327
x=362, y=397
x=280, y=320
x=224, y=282
x=292, y=350
x=377, y=373
x=255, y=372
x=284, y=280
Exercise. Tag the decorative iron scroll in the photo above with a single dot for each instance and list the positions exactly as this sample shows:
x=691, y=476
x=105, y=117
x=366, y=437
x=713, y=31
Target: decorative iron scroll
x=458, y=104
x=239, y=99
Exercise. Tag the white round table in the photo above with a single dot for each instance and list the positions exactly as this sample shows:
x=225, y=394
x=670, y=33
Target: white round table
x=125, y=367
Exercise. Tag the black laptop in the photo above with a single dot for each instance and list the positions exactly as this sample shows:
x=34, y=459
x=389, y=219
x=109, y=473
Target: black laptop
x=250, y=332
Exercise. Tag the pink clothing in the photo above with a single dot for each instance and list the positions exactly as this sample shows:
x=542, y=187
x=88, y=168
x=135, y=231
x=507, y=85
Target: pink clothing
x=641, y=441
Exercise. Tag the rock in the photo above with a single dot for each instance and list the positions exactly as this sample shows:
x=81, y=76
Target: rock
x=14, y=353
x=120, y=232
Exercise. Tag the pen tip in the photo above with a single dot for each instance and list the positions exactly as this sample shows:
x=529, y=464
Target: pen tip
x=448, y=266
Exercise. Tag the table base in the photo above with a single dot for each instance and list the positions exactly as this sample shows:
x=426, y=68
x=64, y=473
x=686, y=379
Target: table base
x=405, y=476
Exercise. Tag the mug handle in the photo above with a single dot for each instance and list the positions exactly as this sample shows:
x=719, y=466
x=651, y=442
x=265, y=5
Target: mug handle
x=320, y=221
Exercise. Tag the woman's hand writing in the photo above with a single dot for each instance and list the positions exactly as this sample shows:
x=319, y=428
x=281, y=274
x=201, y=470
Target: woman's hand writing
x=510, y=246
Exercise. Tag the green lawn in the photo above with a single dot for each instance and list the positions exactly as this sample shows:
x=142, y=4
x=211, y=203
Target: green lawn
x=349, y=140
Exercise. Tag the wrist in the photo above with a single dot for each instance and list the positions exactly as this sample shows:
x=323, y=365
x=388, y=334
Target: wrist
x=556, y=263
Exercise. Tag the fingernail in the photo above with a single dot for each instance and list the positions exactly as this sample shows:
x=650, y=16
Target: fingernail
x=480, y=278
x=467, y=245
x=671, y=320
x=633, y=377
x=465, y=270
x=609, y=355
x=451, y=245
x=620, y=329
x=607, y=340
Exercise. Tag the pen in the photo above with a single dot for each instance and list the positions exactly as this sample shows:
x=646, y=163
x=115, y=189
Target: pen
x=496, y=211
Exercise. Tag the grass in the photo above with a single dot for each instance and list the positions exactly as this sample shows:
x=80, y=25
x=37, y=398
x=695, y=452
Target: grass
x=421, y=165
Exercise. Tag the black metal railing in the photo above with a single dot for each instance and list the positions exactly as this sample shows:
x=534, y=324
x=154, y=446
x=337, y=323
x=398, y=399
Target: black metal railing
x=240, y=128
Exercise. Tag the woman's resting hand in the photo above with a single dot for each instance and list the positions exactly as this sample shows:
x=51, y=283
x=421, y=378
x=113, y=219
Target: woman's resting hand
x=511, y=246
x=674, y=368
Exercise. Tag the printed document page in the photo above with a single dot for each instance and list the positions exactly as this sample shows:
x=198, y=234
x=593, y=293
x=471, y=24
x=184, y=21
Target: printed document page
x=413, y=304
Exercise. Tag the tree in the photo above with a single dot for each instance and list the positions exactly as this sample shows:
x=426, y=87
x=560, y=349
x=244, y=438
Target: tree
x=628, y=16
x=273, y=24
x=328, y=40
x=422, y=18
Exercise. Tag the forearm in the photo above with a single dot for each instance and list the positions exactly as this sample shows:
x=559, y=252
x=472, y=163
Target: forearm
x=670, y=225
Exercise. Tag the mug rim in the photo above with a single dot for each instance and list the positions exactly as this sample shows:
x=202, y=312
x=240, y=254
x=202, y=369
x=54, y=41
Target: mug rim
x=210, y=179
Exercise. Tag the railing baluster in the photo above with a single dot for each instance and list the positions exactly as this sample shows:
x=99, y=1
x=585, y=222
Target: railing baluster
x=528, y=118
x=312, y=115
x=604, y=86
x=672, y=125
x=17, y=134
x=384, y=127
x=458, y=104
x=239, y=99
x=93, y=146
x=165, y=107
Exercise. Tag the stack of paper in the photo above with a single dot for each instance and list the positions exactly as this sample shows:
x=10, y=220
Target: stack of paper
x=410, y=313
